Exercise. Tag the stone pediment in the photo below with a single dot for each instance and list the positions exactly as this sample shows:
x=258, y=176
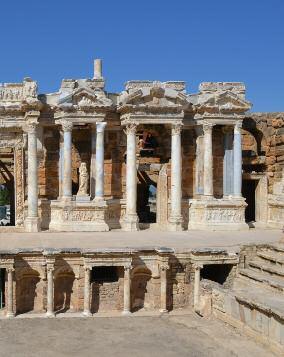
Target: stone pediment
x=85, y=99
x=155, y=97
x=224, y=102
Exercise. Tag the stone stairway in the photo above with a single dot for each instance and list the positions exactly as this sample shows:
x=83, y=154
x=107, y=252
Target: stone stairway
x=255, y=301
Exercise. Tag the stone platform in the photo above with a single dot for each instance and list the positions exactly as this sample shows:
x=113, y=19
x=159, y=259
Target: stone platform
x=147, y=239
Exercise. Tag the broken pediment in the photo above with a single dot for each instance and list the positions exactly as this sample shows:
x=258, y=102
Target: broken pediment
x=224, y=102
x=156, y=96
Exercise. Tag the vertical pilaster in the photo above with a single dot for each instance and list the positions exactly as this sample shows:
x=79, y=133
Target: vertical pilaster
x=32, y=221
x=238, y=159
x=228, y=169
x=50, y=290
x=175, y=219
x=10, y=293
x=126, y=290
x=130, y=221
x=99, y=194
x=67, y=159
x=208, y=160
x=163, y=278
x=87, y=290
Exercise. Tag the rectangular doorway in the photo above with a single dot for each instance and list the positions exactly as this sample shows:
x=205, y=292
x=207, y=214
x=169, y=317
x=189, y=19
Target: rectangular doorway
x=249, y=193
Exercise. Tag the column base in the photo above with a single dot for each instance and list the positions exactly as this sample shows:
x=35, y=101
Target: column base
x=50, y=314
x=175, y=223
x=126, y=313
x=32, y=224
x=130, y=223
x=9, y=315
x=87, y=314
x=164, y=311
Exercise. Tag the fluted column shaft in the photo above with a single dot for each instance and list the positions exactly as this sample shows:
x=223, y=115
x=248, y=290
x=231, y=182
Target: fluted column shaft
x=10, y=307
x=126, y=291
x=67, y=159
x=176, y=171
x=208, y=160
x=238, y=159
x=99, y=195
x=87, y=290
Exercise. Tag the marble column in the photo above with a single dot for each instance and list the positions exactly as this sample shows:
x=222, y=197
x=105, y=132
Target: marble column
x=228, y=169
x=163, y=278
x=87, y=290
x=50, y=292
x=67, y=159
x=99, y=194
x=10, y=303
x=175, y=219
x=60, y=164
x=93, y=161
x=130, y=221
x=32, y=222
x=197, y=268
x=208, y=160
x=126, y=291
x=199, y=164
x=238, y=159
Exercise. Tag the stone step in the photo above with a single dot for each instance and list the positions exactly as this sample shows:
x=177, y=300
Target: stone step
x=258, y=265
x=259, y=277
x=271, y=256
x=278, y=247
x=255, y=310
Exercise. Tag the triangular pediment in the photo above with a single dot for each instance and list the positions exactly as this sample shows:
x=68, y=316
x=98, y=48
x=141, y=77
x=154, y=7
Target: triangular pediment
x=223, y=102
x=83, y=97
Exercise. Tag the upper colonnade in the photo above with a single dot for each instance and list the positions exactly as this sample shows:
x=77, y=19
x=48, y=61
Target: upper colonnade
x=84, y=102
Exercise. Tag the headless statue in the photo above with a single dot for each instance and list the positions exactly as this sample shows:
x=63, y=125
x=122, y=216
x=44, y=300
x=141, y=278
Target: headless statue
x=83, y=180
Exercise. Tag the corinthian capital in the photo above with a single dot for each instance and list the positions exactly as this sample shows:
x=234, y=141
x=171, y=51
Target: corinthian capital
x=176, y=129
x=238, y=127
x=30, y=127
x=66, y=125
x=130, y=128
x=207, y=127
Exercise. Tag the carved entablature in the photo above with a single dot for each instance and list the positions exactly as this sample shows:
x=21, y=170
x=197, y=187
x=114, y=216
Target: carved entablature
x=82, y=103
x=19, y=97
x=153, y=102
x=221, y=101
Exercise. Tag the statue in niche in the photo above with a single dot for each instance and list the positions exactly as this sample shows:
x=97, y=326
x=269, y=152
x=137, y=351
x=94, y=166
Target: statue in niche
x=83, y=180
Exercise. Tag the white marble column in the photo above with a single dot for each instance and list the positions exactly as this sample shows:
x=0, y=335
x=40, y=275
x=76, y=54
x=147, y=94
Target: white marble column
x=130, y=221
x=50, y=291
x=10, y=308
x=175, y=219
x=238, y=159
x=67, y=159
x=163, y=278
x=197, y=268
x=32, y=222
x=93, y=161
x=99, y=195
x=87, y=290
x=199, y=164
x=208, y=160
x=126, y=291
x=228, y=169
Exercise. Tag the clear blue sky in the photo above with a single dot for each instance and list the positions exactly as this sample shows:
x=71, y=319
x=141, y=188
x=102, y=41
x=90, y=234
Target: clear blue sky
x=195, y=41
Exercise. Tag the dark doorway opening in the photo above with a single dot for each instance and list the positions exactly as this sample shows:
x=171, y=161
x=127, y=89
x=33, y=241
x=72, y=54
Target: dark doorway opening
x=216, y=272
x=105, y=274
x=146, y=198
x=2, y=288
x=248, y=192
x=7, y=190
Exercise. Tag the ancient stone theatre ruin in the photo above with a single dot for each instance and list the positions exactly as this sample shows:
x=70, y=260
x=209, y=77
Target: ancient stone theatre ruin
x=152, y=157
